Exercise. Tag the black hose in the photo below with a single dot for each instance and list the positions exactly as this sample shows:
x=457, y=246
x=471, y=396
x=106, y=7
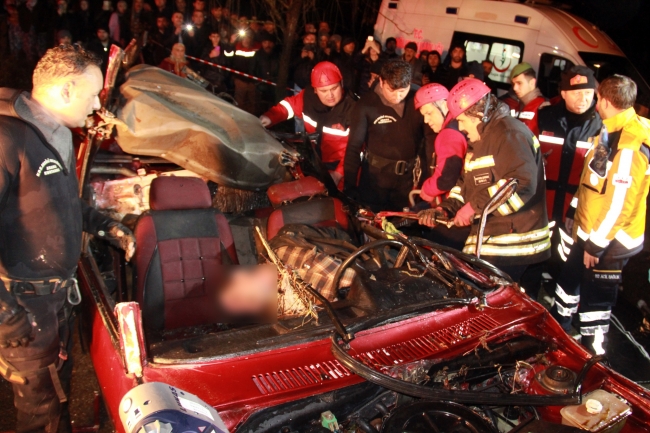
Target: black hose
x=365, y=425
x=585, y=369
x=466, y=397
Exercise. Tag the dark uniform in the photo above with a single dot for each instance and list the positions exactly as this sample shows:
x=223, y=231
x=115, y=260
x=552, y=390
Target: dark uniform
x=392, y=142
x=516, y=233
x=565, y=138
x=41, y=220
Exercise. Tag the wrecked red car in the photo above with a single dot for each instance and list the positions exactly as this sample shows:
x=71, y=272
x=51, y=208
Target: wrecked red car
x=425, y=339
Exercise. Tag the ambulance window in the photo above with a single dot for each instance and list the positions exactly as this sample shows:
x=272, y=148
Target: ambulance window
x=505, y=54
x=549, y=73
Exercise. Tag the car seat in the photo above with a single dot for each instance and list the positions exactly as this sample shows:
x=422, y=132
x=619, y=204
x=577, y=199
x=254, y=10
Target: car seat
x=183, y=244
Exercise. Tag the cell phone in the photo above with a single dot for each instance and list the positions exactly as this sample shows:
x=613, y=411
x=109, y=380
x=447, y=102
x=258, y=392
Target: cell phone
x=370, y=38
x=189, y=27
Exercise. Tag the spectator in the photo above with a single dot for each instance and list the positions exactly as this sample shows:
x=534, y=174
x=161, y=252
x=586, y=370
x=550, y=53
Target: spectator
x=199, y=5
x=345, y=61
x=255, y=26
x=309, y=38
x=65, y=19
x=214, y=53
x=101, y=45
x=454, y=67
x=487, y=70
x=566, y=131
x=309, y=28
x=245, y=92
x=431, y=71
x=323, y=45
x=244, y=24
x=302, y=67
x=409, y=56
x=527, y=99
x=35, y=24
x=162, y=8
x=63, y=37
x=155, y=51
x=370, y=55
x=424, y=55
x=268, y=31
x=178, y=34
x=474, y=70
x=266, y=63
x=391, y=48
x=323, y=26
x=197, y=35
x=83, y=29
x=391, y=129
x=181, y=6
x=334, y=46
x=176, y=62
x=141, y=20
x=120, y=25
x=103, y=16
x=610, y=213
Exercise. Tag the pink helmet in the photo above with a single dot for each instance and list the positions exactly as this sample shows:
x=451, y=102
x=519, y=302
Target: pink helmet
x=325, y=74
x=430, y=93
x=465, y=94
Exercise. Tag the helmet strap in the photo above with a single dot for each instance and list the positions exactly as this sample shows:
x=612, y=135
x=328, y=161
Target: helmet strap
x=487, y=108
x=435, y=104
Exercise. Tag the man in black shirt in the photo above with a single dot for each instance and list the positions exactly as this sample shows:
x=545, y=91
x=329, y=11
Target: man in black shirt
x=454, y=67
x=386, y=121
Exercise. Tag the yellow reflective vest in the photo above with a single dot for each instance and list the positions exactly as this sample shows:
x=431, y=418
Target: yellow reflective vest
x=612, y=208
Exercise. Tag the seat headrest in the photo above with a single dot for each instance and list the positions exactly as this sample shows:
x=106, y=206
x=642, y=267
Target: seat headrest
x=176, y=193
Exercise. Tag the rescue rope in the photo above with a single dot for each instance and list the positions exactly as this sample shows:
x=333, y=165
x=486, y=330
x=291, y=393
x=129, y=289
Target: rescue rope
x=225, y=68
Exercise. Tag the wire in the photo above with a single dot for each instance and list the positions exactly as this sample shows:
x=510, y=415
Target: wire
x=629, y=336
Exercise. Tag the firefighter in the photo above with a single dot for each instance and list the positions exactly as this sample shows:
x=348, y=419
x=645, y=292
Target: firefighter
x=447, y=156
x=325, y=108
x=527, y=98
x=610, y=212
x=499, y=148
x=565, y=131
x=242, y=60
x=41, y=220
x=386, y=121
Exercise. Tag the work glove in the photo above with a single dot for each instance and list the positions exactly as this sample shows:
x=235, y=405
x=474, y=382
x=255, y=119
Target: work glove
x=120, y=236
x=428, y=217
x=464, y=216
x=16, y=330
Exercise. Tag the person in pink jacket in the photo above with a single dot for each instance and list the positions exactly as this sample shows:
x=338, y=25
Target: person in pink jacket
x=450, y=145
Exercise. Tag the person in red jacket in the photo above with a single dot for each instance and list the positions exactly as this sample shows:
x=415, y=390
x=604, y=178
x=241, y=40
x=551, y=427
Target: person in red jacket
x=325, y=107
x=528, y=98
x=449, y=147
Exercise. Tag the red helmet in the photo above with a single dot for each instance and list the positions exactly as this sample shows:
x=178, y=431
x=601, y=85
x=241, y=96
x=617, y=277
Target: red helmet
x=430, y=93
x=465, y=94
x=325, y=74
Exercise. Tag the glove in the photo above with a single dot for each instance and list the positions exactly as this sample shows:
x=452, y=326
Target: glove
x=265, y=121
x=16, y=330
x=464, y=216
x=120, y=237
x=428, y=217
x=568, y=224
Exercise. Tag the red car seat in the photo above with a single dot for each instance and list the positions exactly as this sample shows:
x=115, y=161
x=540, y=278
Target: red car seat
x=322, y=211
x=182, y=245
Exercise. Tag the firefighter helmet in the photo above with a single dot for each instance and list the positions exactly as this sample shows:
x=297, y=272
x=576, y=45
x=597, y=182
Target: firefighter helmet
x=464, y=95
x=325, y=74
x=430, y=93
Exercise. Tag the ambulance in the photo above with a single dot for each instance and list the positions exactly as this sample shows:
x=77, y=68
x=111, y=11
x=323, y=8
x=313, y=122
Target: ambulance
x=507, y=33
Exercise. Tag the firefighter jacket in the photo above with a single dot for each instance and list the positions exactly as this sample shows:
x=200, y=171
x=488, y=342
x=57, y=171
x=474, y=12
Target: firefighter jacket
x=565, y=138
x=41, y=215
x=241, y=59
x=526, y=108
x=333, y=123
x=611, y=210
x=450, y=148
x=517, y=232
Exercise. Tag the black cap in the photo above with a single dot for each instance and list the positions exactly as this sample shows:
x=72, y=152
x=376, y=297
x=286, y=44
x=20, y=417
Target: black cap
x=391, y=39
x=476, y=69
x=347, y=40
x=412, y=45
x=578, y=77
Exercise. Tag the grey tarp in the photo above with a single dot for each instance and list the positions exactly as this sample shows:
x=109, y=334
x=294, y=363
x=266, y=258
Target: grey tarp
x=170, y=117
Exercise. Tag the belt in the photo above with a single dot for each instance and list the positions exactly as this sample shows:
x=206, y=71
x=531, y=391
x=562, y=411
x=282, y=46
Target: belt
x=401, y=166
x=45, y=287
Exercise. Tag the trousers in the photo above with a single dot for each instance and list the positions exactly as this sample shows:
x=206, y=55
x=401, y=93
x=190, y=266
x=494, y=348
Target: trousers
x=41, y=401
x=591, y=293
